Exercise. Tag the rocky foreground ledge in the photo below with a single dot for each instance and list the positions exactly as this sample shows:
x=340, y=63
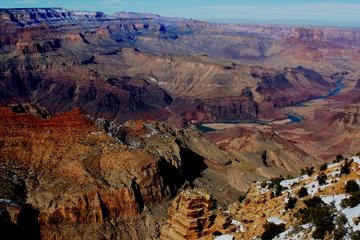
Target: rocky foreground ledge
x=62, y=173
x=322, y=204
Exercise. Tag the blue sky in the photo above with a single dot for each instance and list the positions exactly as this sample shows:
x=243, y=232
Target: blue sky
x=307, y=12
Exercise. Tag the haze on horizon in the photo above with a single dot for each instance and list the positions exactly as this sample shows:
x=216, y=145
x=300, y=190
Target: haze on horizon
x=305, y=12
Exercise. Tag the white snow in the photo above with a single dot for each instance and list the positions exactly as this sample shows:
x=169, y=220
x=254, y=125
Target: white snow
x=153, y=79
x=288, y=234
x=352, y=213
x=314, y=187
x=8, y=201
x=358, y=181
x=96, y=133
x=288, y=183
x=332, y=165
x=356, y=159
x=261, y=189
x=225, y=237
x=264, y=190
x=304, y=177
x=334, y=173
x=239, y=226
x=336, y=199
x=275, y=220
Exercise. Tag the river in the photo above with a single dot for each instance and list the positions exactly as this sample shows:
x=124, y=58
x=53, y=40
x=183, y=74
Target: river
x=339, y=86
x=294, y=118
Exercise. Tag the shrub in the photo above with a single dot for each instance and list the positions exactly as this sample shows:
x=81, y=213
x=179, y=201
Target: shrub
x=313, y=202
x=352, y=201
x=303, y=192
x=319, y=214
x=291, y=203
x=276, y=181
x=322, y=178
x=323, y=167
x=355, y=235
x=351, y=186
x=263, y=184
x=345, y=168
x=308, y=171
x=242, y=197
x=338, y=158
x=272, y=230
x=275, y=185
x=341, y=229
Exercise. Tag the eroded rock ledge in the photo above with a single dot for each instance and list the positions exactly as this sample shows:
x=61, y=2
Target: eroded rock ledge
x=192, y=216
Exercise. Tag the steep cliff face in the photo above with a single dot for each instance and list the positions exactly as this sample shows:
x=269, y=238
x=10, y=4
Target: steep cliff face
x=291, y=85
x=116, y=98
x=71, y=172
x=113, y=67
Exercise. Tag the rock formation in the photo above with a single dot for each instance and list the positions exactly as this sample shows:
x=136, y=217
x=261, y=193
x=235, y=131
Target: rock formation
x=192, y=216
x=71, y=173
x=112, y=67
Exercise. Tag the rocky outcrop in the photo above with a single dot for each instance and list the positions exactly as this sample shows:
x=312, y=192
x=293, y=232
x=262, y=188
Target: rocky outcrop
x=308, y=34
x=118, y=98
x=28, y=16
x=35, y=110
x=73, y=173
x=292, y=85
x=282, y=202
x=222, y=109
x=113, y=67
x=191, y=216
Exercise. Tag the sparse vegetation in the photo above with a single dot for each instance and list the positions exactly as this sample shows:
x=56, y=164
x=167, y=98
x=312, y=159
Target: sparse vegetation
x=272, y=230
x=291, y=203
x=345, y=168
x=308, y=171
x=303, y=192
x=352, y=201
x=351, y=186
x=275, y=185
x=355, y=235
x=323, y=167
x=338, y=158
x=340, y=223
x=322, y=178
x=243, y=196
x=263, y=184
x=319, y=214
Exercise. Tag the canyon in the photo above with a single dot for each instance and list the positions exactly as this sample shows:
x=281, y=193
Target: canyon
x=138, y=126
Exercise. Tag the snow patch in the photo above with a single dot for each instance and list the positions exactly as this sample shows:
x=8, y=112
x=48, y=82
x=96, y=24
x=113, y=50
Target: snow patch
x=332, y=165
x=239, y=226
x=336, y=199
x=334, y=173
x=275, y=220
x=8, y=202
x=314, y=187
x=225, y=237
x=352, y=213
x=356, y=160
x=288, y=183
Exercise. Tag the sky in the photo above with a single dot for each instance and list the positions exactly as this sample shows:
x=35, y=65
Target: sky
x=300, y=12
